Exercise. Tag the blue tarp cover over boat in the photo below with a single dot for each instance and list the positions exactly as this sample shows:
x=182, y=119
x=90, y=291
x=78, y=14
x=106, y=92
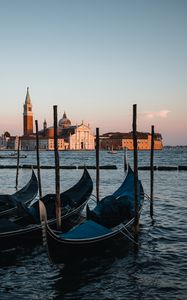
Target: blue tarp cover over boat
x=88, y=229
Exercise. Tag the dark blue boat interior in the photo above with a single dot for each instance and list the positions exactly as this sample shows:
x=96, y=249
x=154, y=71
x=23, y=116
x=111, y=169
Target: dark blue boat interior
x=111, y=211
x=88, y=229
x=119, y=207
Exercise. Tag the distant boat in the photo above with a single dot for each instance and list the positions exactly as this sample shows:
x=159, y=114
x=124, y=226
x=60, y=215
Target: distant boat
x=12, y=155
x=112, y=151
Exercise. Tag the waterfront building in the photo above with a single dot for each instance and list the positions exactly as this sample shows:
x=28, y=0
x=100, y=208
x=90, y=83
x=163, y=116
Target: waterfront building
x=4, y=140
x=118, y=141
x=76, y=137
x=13, y=142
x=45, y=143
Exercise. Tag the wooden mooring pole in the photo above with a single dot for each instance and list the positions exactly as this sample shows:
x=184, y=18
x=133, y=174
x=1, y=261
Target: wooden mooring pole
x=125, y=160
x=152, y=171
x=135, y=143
x=18, y=154
x=97, y=164
x=57, y=169
x=38, y=160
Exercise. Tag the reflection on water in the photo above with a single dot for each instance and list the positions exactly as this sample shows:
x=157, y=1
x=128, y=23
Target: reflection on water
x=158, y=270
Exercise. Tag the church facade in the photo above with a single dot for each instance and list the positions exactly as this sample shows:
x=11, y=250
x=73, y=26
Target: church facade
x=70, y=137
x=81, y=139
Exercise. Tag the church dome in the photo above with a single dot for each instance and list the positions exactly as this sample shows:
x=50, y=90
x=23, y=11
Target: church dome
x=64, y=122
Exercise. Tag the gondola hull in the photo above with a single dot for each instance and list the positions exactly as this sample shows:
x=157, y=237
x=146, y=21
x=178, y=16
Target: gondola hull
x=32, y=234
x=108, y=225
x=8, y=203
x=64, y=251
x=24, y=232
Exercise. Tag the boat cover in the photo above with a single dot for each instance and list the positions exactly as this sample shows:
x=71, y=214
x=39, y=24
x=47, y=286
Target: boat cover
x=119, y=207
x=110, y=211
x=88, y=229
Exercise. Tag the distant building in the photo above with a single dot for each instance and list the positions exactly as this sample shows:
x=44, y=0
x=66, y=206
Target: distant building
x=4, y=140
x=73, y=137
x=12, y=142
x=45, y=143
x=82, y=138
x=118, y=140
x=76, y=137
x=70, y=137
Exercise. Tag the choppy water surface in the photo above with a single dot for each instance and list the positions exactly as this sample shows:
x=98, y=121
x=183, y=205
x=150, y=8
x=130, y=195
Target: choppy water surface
x=157, y=270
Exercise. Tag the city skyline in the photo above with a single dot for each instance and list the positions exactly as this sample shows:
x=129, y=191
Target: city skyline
x=95, y=59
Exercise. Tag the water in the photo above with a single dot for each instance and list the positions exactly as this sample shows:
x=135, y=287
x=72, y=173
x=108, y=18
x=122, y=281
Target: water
x=158, y=270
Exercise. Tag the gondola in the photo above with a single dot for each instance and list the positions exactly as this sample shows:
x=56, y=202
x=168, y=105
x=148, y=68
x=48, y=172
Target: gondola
x=26, y=230
x=8, y=203
x=106, y=225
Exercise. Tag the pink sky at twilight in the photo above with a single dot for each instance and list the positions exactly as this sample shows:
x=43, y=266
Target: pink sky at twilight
x=94, y=60
x=172, y=129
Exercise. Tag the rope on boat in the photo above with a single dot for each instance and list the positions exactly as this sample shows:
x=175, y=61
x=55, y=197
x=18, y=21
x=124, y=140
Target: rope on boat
x=129, y=235
x=44, y=239
x=44, y=236
x=95, y=198
x=147, y=196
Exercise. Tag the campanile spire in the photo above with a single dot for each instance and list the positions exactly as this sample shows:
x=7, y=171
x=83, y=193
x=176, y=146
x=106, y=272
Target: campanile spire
x=27, y=98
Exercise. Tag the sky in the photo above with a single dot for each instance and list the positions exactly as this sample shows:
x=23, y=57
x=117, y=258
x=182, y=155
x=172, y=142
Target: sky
x=94, y=59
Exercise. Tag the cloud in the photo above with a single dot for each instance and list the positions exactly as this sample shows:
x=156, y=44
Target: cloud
x=157, y=114
x=149, y=115
x=163, y=113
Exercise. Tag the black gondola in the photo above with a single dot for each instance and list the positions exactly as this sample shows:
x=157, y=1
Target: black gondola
x=8, y=203
x=26, y=230
x=106, y=225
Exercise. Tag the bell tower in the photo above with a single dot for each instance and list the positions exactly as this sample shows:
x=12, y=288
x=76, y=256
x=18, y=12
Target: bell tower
x=27, y=115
